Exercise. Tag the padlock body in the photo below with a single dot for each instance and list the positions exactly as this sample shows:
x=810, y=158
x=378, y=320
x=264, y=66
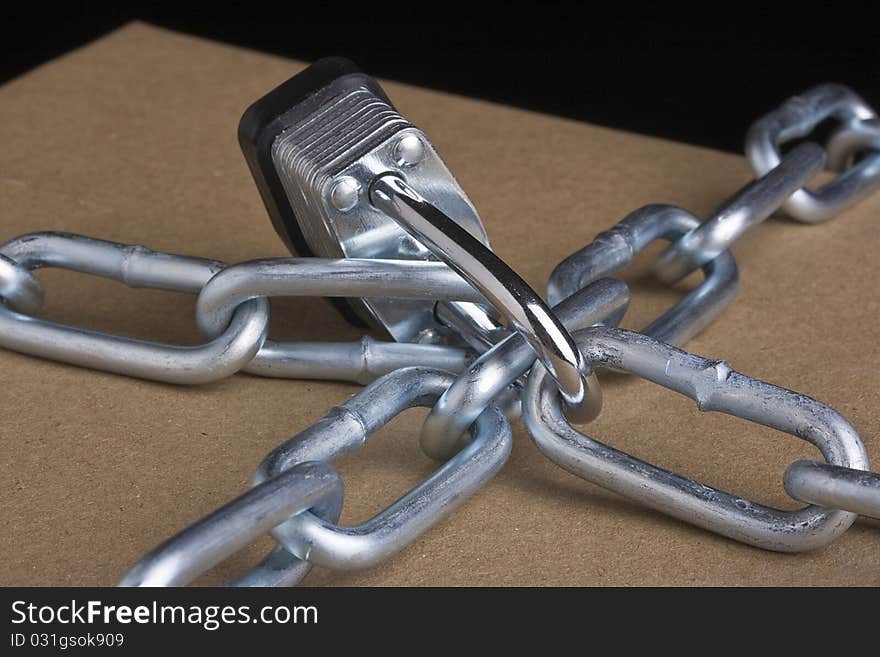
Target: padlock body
x=314, y=146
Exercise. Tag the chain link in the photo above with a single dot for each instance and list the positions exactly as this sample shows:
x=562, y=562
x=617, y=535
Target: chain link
x=313, y=487
x=232, y=311
x=314, y=538
x=749, y=207
x=715, y=386
x=852, y=140
x=614, y=249
x=19, y=288
x=136, y=266
x=605, y=300
x=297, y=497
x=834, y=487
x=798, y=117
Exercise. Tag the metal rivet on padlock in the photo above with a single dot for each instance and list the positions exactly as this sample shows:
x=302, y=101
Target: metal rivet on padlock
x=409, y=151
x=344, y=193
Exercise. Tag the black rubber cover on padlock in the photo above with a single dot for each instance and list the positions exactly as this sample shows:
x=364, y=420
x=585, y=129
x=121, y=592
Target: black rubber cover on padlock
x=280, y=109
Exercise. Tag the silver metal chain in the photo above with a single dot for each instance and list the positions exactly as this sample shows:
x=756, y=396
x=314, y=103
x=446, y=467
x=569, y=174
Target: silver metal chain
x=509, y=348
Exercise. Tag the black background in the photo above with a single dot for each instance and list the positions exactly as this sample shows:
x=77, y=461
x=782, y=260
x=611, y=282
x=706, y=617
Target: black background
x=699, y=72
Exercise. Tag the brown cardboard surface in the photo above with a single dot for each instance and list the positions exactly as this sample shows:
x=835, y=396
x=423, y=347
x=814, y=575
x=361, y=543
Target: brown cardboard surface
x=133, y=139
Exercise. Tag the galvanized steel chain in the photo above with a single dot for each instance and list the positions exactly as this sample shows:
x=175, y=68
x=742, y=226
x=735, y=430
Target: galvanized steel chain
x=362, y=196
x=853, y=152
x=843, y=482
x=302, y=514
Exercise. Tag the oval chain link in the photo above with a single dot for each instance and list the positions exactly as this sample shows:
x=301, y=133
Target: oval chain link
x=281, y=497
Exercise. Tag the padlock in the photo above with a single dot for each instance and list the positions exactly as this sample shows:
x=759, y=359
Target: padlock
x=314, y=145
x=343, y=174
